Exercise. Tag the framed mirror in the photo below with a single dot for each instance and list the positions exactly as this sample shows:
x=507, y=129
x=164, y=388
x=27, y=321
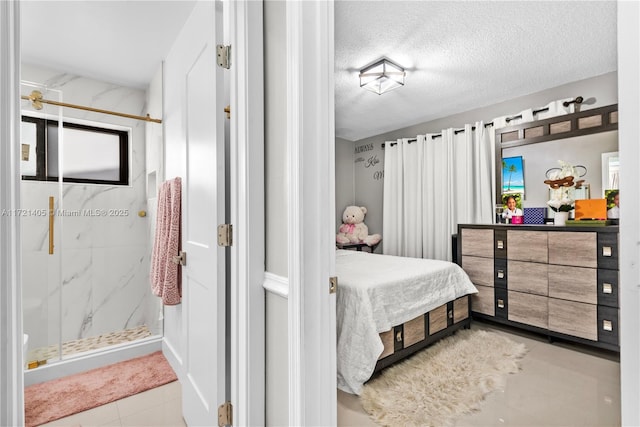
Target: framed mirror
x=581, y=138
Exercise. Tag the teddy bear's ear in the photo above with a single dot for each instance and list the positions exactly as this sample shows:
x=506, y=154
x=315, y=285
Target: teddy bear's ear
x=364, y=210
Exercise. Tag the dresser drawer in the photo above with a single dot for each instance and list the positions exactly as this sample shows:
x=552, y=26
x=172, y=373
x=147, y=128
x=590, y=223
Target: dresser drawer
x=608, y=288
x=573, y=318
x=500, y=244
x=529, y=277
x=477, y=242
x=608, y=325
x=608, y=250
x=501, y=303
x=573, y=248
x=480, y=270
x=529, y=309
x=527, y=246
x=483, y=301
x=500, y=273
x=573, y=283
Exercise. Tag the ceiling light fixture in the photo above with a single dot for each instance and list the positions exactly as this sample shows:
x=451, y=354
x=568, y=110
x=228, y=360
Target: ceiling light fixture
x=382, y=76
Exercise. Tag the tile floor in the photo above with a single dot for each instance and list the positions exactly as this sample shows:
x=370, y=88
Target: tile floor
x=158, y=407
x=559, y=385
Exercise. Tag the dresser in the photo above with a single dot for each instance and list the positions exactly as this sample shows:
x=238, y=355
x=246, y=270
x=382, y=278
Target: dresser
x=559, y=281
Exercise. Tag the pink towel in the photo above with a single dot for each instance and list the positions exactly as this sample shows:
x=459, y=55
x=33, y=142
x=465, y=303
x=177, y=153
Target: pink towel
x=166, y=275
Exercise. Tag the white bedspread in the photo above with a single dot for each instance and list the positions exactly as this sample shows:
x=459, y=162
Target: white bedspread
x=377, y=292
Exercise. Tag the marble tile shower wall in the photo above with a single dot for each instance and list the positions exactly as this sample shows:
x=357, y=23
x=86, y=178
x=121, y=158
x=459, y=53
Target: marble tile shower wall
x=97, y=281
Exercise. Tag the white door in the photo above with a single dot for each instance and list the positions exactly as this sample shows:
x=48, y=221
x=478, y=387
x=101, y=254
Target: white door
x=197, y=84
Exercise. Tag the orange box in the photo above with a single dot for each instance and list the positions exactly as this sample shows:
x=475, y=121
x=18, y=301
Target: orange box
x=591, y=209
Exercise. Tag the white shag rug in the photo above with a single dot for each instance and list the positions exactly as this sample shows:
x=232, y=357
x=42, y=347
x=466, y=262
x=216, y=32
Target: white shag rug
x=443, y=381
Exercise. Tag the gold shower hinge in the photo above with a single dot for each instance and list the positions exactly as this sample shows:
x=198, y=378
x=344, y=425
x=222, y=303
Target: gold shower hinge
x=35, y=363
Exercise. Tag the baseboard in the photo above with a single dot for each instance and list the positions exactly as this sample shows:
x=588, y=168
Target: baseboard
x=174, y=359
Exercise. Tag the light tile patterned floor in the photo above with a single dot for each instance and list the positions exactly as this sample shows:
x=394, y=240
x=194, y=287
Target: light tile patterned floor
x=161, y=406
x=559, y=385
x=90, y=343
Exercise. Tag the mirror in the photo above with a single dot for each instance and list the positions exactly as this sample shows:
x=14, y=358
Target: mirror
x=610, y=171
x=588, y=138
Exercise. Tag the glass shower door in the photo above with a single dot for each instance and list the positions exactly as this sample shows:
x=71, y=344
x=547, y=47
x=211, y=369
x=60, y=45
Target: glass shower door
x=40, y=242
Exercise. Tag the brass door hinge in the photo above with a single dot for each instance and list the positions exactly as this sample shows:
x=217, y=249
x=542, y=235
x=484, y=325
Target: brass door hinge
x=223, y=54
x=227, y=110
x=333, y=284
x=225, y=414
x=181, y=258
x=225, y=235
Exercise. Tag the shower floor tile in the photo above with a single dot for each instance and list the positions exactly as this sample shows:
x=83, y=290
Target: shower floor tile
x=87, y=344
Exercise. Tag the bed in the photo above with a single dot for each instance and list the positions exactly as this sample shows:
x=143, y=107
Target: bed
x=389, y=307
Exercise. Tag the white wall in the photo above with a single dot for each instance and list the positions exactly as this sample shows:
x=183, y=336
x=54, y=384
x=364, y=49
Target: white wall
x=344, y=177
x=629, y=129
x=100, y=264
x=368, y=191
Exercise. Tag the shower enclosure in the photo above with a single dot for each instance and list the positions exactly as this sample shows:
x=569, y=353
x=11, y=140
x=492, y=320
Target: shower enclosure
x=86, y=234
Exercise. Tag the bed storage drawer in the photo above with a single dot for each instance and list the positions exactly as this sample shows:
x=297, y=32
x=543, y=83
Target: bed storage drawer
x=438, y=319
x=388, y=342
x=413, y=331
x=460, y=309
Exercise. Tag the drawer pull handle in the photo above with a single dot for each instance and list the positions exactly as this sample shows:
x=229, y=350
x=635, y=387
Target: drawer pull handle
x=607, y=251
x=500, y=274
x=399, y=336
x=607, y=325
x=500, y=303
x=450, y=314
x=500, y=244
x=607, y=288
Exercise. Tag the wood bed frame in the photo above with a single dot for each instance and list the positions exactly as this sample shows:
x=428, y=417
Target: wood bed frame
x=404, y=340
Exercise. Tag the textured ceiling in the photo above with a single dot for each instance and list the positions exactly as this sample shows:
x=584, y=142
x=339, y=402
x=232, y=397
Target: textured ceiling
x=461, y=55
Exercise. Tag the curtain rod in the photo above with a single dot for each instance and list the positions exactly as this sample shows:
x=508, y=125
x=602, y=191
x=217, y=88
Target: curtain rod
x=508, y=119
x=37, y=101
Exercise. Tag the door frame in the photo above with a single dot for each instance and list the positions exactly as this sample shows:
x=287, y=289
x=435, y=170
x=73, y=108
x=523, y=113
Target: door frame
x=244, y=24
x=11, y=358
x=311, y=212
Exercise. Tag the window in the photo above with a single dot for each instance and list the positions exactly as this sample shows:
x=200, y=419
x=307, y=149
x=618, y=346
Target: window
x=91, y=154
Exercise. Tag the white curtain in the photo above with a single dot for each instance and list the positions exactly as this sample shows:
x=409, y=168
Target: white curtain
x=432, y=184
x=437, y=181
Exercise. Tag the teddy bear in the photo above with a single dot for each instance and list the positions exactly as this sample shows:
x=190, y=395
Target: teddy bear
x=353, y=228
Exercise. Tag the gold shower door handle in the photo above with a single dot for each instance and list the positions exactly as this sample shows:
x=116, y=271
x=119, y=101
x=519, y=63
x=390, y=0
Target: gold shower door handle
x=51, y=225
